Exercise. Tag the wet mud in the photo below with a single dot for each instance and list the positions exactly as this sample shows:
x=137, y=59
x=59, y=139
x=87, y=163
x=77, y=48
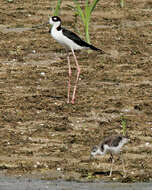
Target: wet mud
x=43, y=136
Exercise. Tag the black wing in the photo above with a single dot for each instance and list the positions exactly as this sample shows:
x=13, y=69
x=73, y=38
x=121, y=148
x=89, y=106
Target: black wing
x=111, y=141
x=74, y=37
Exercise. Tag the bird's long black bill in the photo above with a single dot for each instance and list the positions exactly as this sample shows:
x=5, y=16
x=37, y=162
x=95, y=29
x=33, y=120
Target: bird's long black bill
x=40, y=25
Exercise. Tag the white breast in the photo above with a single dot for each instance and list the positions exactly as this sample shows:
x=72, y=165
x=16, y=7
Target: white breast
x=63, y=40
x=115, y=149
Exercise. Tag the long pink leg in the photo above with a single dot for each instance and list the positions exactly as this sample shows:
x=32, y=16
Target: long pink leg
x=112, y=162
x=78, y=73
x=69, y=81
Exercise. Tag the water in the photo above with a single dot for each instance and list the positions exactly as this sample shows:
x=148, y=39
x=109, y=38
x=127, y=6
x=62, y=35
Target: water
x=33, y=184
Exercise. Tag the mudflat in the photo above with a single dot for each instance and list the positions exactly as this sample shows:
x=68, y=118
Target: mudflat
x=40, y=134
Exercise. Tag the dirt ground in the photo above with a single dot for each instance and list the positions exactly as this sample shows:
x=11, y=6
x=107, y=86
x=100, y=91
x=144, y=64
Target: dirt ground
x=43, y=136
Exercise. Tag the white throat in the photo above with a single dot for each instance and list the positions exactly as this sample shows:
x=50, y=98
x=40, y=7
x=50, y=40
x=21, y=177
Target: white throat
x=54, y=24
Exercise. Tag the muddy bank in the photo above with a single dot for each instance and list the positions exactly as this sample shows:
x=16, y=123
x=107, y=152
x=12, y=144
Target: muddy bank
x=40, y=134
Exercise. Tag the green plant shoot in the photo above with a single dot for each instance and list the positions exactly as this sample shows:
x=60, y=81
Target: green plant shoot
x=86, y=15
x=57, y=9
x=121, y=3
x=124, y=125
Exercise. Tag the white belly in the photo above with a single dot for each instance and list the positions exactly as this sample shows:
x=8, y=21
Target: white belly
x=115, y=149
x=63, y=40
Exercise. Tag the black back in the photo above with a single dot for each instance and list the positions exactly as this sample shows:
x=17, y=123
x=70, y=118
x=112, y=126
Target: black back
x=111, y=141
x=74, y=37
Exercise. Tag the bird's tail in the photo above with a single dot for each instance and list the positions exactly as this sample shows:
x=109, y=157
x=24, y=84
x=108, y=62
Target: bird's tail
x=96, y=49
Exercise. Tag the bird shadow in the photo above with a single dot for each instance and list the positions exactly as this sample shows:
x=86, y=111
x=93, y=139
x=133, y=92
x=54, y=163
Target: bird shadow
x=106, y=173
x=101, y=173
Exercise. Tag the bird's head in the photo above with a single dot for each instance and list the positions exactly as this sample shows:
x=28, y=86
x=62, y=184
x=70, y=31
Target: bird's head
x=55, y=21
x=95, y=151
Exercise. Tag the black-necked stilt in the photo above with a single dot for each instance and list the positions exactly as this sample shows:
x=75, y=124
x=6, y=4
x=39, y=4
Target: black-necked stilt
x=110, y=145
x=71, y=42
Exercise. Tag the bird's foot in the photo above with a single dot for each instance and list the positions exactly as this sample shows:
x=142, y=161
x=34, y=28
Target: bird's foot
x=72, y=101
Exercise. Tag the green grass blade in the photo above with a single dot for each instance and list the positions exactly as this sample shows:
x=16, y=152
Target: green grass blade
x=93, y=5
x=57, y=9
x=86, y=15
x=86, y=7
x=79, y=10
x=124, y=125
x=87, y=32
x=121, y=3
